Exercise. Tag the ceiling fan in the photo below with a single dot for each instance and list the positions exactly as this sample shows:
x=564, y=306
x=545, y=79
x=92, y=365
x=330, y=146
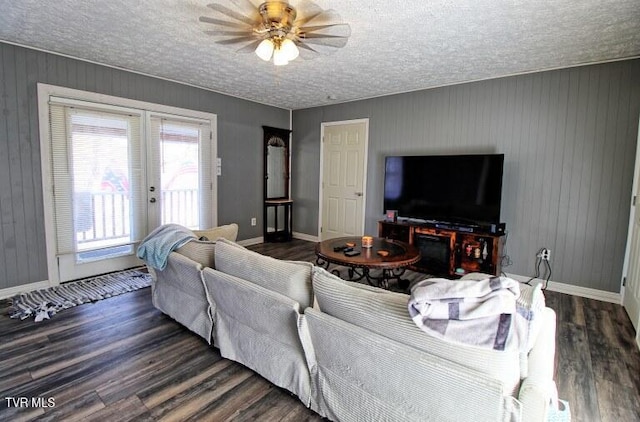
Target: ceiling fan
x=276, y=29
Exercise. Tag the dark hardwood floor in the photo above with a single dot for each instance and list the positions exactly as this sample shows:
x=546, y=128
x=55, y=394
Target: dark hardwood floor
x=121, y=359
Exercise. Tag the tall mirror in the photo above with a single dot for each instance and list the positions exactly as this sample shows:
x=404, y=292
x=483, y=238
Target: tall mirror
x=276, y=163
x=277, y=168
x=277, y=204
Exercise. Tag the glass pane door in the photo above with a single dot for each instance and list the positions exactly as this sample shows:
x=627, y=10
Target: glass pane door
x=102, y=211
x=180, y=189
x=98, y=186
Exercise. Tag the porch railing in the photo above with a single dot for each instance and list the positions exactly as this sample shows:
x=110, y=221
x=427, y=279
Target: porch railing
x=103, y=218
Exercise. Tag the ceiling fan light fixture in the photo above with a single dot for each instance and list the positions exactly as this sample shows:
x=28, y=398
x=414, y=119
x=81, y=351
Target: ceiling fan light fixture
x=265, y=50
x=282, y=51
x=275, y=31
x=280, y=57
x=290, y=49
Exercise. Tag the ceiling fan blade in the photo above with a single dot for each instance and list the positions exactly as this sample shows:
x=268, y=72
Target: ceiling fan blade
x=214, y=21
x=334, y=35
x=236, y=40
x=334, y=42
x=305, y=47
x=307, y=10
x=225, y=33
x=325, y=17
x=247, y=6
x=317, y=36
x=249, y=48
x=336, y=29
x=231, y=13
x=307, y=52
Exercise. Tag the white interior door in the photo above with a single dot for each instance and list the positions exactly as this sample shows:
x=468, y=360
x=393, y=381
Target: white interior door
x=631, y=299
x=344, y=154
x=632, y=288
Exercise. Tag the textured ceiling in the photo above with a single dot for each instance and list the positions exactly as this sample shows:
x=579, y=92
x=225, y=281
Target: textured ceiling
x=395, y=46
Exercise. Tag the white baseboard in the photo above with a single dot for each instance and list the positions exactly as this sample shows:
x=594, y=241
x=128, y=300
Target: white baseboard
x=570, y=289
x=304, y=236
x=12, y=291
x=554, y=286
x=249, y=242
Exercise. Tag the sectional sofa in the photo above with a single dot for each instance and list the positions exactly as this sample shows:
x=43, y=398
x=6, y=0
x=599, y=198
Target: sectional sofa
x=348, y=351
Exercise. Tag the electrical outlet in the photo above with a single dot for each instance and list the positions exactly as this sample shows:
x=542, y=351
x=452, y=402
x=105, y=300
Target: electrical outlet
x=254, y=221
x=546, y=254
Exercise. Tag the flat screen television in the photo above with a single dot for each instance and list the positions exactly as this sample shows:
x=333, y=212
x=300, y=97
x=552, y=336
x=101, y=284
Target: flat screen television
x=445, y=188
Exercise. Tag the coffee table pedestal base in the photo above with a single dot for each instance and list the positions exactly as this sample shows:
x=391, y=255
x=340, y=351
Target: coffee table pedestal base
x=357, y=273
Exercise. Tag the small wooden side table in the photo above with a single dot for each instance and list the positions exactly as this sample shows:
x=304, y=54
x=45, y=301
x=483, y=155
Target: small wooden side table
x=282, y=212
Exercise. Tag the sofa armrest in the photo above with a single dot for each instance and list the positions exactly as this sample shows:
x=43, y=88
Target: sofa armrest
x=178, y=291
x=389, y=380
x=261, y=329
x=537, y=390
x=182, y=272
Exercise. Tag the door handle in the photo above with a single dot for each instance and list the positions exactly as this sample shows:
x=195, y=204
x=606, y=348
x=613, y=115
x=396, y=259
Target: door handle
x=359, y=194
x=152, y=200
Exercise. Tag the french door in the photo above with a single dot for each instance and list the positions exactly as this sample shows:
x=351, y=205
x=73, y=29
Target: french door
x=180, y=172
x=115, y=174
x=97, y=161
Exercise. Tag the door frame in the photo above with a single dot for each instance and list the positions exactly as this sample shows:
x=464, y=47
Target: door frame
x=323, y=125
x=45, y=91
x=634, y=209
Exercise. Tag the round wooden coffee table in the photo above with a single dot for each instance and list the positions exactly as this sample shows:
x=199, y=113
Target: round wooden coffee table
x=392, y=265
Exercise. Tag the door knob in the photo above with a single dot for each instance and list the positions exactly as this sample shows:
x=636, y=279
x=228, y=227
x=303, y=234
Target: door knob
x=358, y=193
x=152, y=200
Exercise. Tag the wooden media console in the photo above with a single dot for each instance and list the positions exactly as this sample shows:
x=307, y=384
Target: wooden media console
x=448, y=252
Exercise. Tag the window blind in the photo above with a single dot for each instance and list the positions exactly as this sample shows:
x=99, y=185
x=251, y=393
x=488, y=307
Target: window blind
x=98, y=177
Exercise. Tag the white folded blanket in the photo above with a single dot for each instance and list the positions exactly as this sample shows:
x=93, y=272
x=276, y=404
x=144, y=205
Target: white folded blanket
x=483, y=313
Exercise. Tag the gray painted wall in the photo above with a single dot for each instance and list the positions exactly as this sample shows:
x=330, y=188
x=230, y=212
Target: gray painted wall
x=22, y=238
x=569, y=139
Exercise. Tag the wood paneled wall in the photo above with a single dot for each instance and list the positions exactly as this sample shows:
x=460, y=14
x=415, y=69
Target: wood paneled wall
x=569, y=138
x=22, y=241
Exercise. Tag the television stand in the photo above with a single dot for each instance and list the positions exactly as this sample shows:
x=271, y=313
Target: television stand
x=448, y=252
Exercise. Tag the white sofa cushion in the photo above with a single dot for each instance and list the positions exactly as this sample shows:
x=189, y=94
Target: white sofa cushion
x=289, y=278
x=386, y=313
x=203, y=251
x=260, y=329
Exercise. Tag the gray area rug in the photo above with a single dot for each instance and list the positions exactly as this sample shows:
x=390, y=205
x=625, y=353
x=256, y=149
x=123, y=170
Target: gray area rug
x=44, y=303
